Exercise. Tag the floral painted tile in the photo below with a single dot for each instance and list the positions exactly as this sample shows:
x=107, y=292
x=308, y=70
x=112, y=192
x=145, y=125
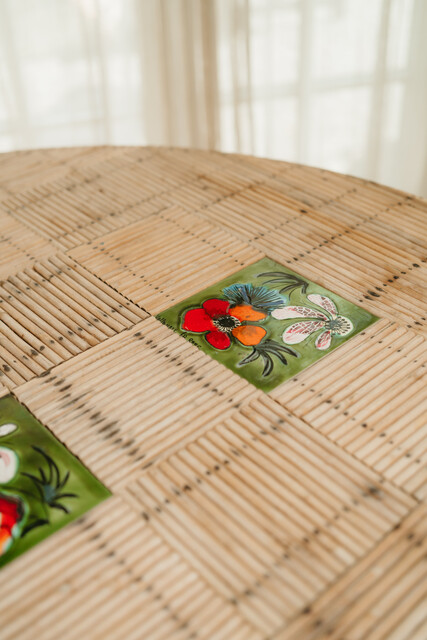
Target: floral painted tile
x=42, y=485
x=266, y=322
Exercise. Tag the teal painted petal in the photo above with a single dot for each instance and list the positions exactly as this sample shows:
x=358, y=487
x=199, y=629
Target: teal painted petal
x=257, y=297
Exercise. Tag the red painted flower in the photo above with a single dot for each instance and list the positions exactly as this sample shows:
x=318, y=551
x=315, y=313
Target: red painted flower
x=218, y=320
x=12, y=511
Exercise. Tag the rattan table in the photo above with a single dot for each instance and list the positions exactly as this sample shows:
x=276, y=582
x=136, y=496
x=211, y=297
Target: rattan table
x=239, y=492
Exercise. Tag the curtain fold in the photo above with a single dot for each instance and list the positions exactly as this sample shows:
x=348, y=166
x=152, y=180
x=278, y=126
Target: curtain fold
x=340, y=84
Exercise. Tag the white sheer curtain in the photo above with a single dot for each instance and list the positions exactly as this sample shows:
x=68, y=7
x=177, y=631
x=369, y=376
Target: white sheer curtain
x=340, y=84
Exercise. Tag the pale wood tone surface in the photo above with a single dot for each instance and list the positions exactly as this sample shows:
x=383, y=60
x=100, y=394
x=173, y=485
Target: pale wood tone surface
x=297, y=515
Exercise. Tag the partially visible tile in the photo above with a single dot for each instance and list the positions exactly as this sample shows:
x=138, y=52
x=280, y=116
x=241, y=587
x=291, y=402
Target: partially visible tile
x=53, y=311
x=165, y=257
x=43, y=486
x=266, y=323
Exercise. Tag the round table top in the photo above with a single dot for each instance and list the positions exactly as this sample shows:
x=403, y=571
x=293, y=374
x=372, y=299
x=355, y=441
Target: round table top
x=232, y=351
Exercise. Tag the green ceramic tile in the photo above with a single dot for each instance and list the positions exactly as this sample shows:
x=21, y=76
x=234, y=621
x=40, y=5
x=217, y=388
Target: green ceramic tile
x=266, y=322
x=42, y=485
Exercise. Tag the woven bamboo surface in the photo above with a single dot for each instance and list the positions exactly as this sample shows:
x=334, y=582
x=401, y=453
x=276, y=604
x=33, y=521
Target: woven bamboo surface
x=294, y=515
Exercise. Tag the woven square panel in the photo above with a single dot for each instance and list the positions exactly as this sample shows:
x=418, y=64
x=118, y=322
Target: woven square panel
x=53, y=311
x=165, y=258
x=20, y=246
x=383, y=596
x=357, y=402
x=110, y=574
x=268, y=511
x=120, y=429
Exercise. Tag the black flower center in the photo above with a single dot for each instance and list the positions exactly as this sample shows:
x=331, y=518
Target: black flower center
x=226, y=323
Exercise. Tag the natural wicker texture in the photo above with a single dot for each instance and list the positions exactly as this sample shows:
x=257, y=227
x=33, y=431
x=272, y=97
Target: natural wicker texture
x=297, y=515
x=53, y=311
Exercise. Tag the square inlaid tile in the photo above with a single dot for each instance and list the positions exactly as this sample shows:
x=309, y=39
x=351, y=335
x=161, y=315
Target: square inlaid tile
x=42, y=485
x=266, y=322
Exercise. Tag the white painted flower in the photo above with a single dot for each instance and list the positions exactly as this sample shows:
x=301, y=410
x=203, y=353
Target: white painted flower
x=8, y=465
x=330, y=323
x=6, y=429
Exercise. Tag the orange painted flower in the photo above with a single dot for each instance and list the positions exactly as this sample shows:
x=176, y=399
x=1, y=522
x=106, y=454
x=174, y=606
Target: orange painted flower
x=218, y=320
